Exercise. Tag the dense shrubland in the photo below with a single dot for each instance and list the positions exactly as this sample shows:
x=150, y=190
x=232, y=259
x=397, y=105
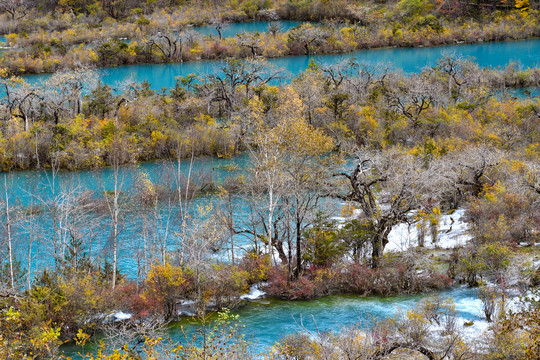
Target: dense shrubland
x=71, y=119
x=66, y=36
x=396, y=149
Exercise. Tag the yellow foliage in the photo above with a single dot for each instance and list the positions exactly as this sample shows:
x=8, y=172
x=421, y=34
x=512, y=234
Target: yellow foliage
x=11, y=38
x=490, y=192
x=347, y=210
x=523, y=5
x=165, y=275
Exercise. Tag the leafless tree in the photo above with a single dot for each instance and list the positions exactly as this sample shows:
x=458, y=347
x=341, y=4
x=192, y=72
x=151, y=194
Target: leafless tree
x=133, y=332
x=204, y=238
x=17, y=9
x=9, y=216
x=366, y=77
x=62, y=93
x=32, y=228
x=168, y=44
x=120, y=154
x=388, y=187
x=250, y=41
x=234, y=75
x=464, y=81
x=219, y=24
x=309, y=36
x=532, y=180
x=53, y=205
x=410, y=96
x=226, y=210
x=288, y=171
x=18, y=99
x=472, y=168
x=274, y=28
x=310, y=88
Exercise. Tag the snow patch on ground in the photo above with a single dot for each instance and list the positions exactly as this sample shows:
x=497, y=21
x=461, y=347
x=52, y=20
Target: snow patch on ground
x=120, y=316
x=186, y=308
x=254, y=293
x=473, y=332
x=453, y=232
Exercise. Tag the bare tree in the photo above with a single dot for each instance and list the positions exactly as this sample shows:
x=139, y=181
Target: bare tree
x=250, y=41
x=168, y=44
x=204, y=238
x=464, y=80
x=219, y=24
x=18, y=100
x=274, y=28
x=310, y=87
x=7, y=224
x=17, y=9
x=31, y=226
x=62, y=93
x=288, y=167
x=334, y=77
x=472, y=168
x=234, y=75
x=532, y=180
x=309, y=36
x=366, y=77
x=120, y=154
x=226, y=212
x=388, y=187
x=410, y=96
x=53, y=205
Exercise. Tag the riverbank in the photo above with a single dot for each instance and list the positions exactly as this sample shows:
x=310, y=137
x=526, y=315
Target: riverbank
x=275, y=327
x=41, y=53
x=191, y=121
x=265, y=322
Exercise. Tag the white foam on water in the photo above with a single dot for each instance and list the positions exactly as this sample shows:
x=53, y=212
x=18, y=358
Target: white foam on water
x=254, y=293
x=471, y=306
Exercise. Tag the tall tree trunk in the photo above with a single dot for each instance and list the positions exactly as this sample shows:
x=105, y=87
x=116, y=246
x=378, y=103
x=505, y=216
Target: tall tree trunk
x=115, y=226
x=8, y=231
x=298, y=244
x=378, y=244
x=270, y=220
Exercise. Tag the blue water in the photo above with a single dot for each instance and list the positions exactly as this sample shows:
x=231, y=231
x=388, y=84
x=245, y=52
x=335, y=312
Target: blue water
x=141, y=225
x=27, y=183
x=266, y=321
x=234, y=29
x=2, y=42
x=526, y=52
x=270, y=320
x=524, y=92
x=35, y=188
x=410, y=60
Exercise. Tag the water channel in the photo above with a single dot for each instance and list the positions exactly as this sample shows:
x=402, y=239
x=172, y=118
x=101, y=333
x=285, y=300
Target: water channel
x=35, y=189
x=266, y=321
x=526, y=53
